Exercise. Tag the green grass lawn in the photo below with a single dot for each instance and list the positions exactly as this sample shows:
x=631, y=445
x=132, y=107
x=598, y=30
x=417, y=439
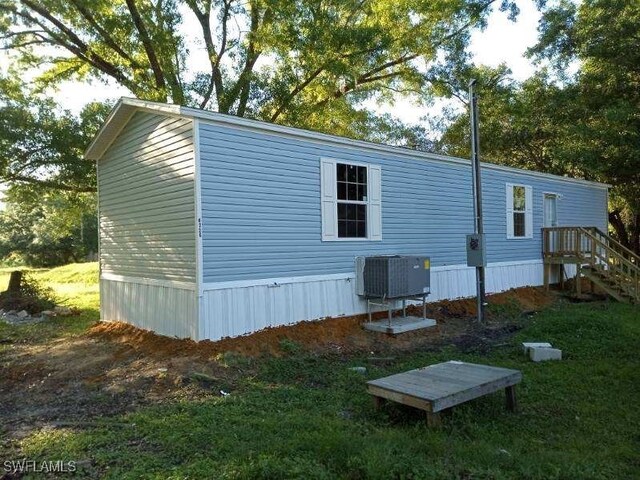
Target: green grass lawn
x=74, y=285
x=308, y=416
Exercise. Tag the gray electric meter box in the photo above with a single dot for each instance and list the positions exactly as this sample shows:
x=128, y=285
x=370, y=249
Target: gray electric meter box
x=476, y=250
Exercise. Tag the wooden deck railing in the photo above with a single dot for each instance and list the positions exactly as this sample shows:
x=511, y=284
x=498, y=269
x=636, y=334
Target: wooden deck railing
x=590, y=246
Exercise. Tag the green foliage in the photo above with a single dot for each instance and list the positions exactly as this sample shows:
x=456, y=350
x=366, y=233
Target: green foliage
x=32, y=297
x=587, y=125
x=47, y=229
x=289, y=346
x=40, y=146
x=76, y=285
x=304, y=63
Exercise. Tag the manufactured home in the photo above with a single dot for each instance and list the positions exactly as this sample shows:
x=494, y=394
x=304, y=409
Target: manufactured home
x=213, y=225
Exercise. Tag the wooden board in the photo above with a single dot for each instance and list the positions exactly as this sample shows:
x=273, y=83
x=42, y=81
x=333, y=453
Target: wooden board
x=444, y=385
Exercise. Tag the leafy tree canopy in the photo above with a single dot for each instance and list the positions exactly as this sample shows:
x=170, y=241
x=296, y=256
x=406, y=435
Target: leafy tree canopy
x=47, y=229
x=585, y=125
x=306, y=63
x=40, y=145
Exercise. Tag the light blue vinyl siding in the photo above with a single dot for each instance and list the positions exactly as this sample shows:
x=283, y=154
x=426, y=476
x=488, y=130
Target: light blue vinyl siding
x=146, y=200
x=261, y=207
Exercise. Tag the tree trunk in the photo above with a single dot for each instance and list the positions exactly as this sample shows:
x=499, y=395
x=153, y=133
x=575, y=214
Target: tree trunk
x=15, y=281
x=620, y=228
x=635, y=234
x=628, y=235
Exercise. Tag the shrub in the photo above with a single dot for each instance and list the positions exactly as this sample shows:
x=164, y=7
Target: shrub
x=32, y=297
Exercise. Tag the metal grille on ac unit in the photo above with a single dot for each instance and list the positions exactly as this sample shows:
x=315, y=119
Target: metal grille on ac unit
x=393, y=276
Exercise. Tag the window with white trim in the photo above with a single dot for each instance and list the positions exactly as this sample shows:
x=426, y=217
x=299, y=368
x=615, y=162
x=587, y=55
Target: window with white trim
x=519, y=211
x=351, y=200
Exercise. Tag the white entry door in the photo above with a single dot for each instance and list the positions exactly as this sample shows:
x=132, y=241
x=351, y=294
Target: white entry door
x=550, y=210
x=551, y=219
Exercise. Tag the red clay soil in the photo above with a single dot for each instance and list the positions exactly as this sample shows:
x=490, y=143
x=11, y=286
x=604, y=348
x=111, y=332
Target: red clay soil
x=339, y=335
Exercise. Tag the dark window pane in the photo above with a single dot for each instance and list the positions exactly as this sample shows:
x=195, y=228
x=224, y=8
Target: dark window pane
x=351, y=187
x=352, y=173
x=342, y=211
x=342, y=191
x=342, y=228
x=351, y=229
x=352, y=212
x=352, y=220
x=352, y=191
x=519, y=229
x=362, y=174
x=362, y=193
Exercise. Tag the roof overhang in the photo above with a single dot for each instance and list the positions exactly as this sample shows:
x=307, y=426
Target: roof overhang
x=126, y=107
x=119, y=117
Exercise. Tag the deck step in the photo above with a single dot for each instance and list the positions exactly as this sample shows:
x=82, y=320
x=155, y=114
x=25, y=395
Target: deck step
x=597, y=256
x=612, y=289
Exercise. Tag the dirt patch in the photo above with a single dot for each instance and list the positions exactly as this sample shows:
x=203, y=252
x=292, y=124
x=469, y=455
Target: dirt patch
x=115, y=368
x=343, y=334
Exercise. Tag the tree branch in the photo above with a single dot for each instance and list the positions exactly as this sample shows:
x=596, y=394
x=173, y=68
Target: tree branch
x=215, y=82
x=360, y=81
x=147, y=44
x=48, y=183
x=106, y=36
x=242, y=86
x=305, y=83
x=72, y=42
x=401, y=60
x=298, y=88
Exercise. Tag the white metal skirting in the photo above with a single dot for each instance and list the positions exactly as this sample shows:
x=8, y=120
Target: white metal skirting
x=237, y=308
x=164, y=308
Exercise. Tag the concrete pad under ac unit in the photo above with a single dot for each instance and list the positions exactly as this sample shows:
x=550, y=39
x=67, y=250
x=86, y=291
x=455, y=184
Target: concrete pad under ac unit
x=399, y=325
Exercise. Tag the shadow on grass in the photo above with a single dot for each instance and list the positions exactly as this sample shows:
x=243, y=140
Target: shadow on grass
x=51, y=329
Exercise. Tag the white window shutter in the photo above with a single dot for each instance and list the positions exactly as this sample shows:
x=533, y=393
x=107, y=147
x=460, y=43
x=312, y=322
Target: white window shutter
x=528, y=216
x=509, y=210
x=328, y=199
x=374, y=217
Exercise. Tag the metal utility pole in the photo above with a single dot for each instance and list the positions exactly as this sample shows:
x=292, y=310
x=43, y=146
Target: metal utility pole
x=477, y=199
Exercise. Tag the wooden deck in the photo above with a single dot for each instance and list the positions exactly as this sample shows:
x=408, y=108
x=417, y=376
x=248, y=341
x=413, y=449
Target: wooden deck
x=439, y=387
x=596, y=256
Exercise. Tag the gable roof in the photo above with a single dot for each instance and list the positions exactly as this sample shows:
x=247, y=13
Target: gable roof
x=126, y=107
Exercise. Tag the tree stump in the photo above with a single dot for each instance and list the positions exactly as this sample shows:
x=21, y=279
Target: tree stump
x=12, y=293
x=15, y=282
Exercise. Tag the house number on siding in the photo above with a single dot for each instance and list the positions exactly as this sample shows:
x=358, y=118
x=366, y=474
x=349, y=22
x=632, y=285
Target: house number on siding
x=199, y=228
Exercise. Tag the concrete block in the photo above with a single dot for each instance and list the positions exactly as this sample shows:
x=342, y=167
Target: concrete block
x=541, y=354
x=527, y=345
x=62, y=310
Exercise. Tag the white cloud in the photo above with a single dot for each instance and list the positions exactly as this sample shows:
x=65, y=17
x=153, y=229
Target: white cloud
x=504, y=41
